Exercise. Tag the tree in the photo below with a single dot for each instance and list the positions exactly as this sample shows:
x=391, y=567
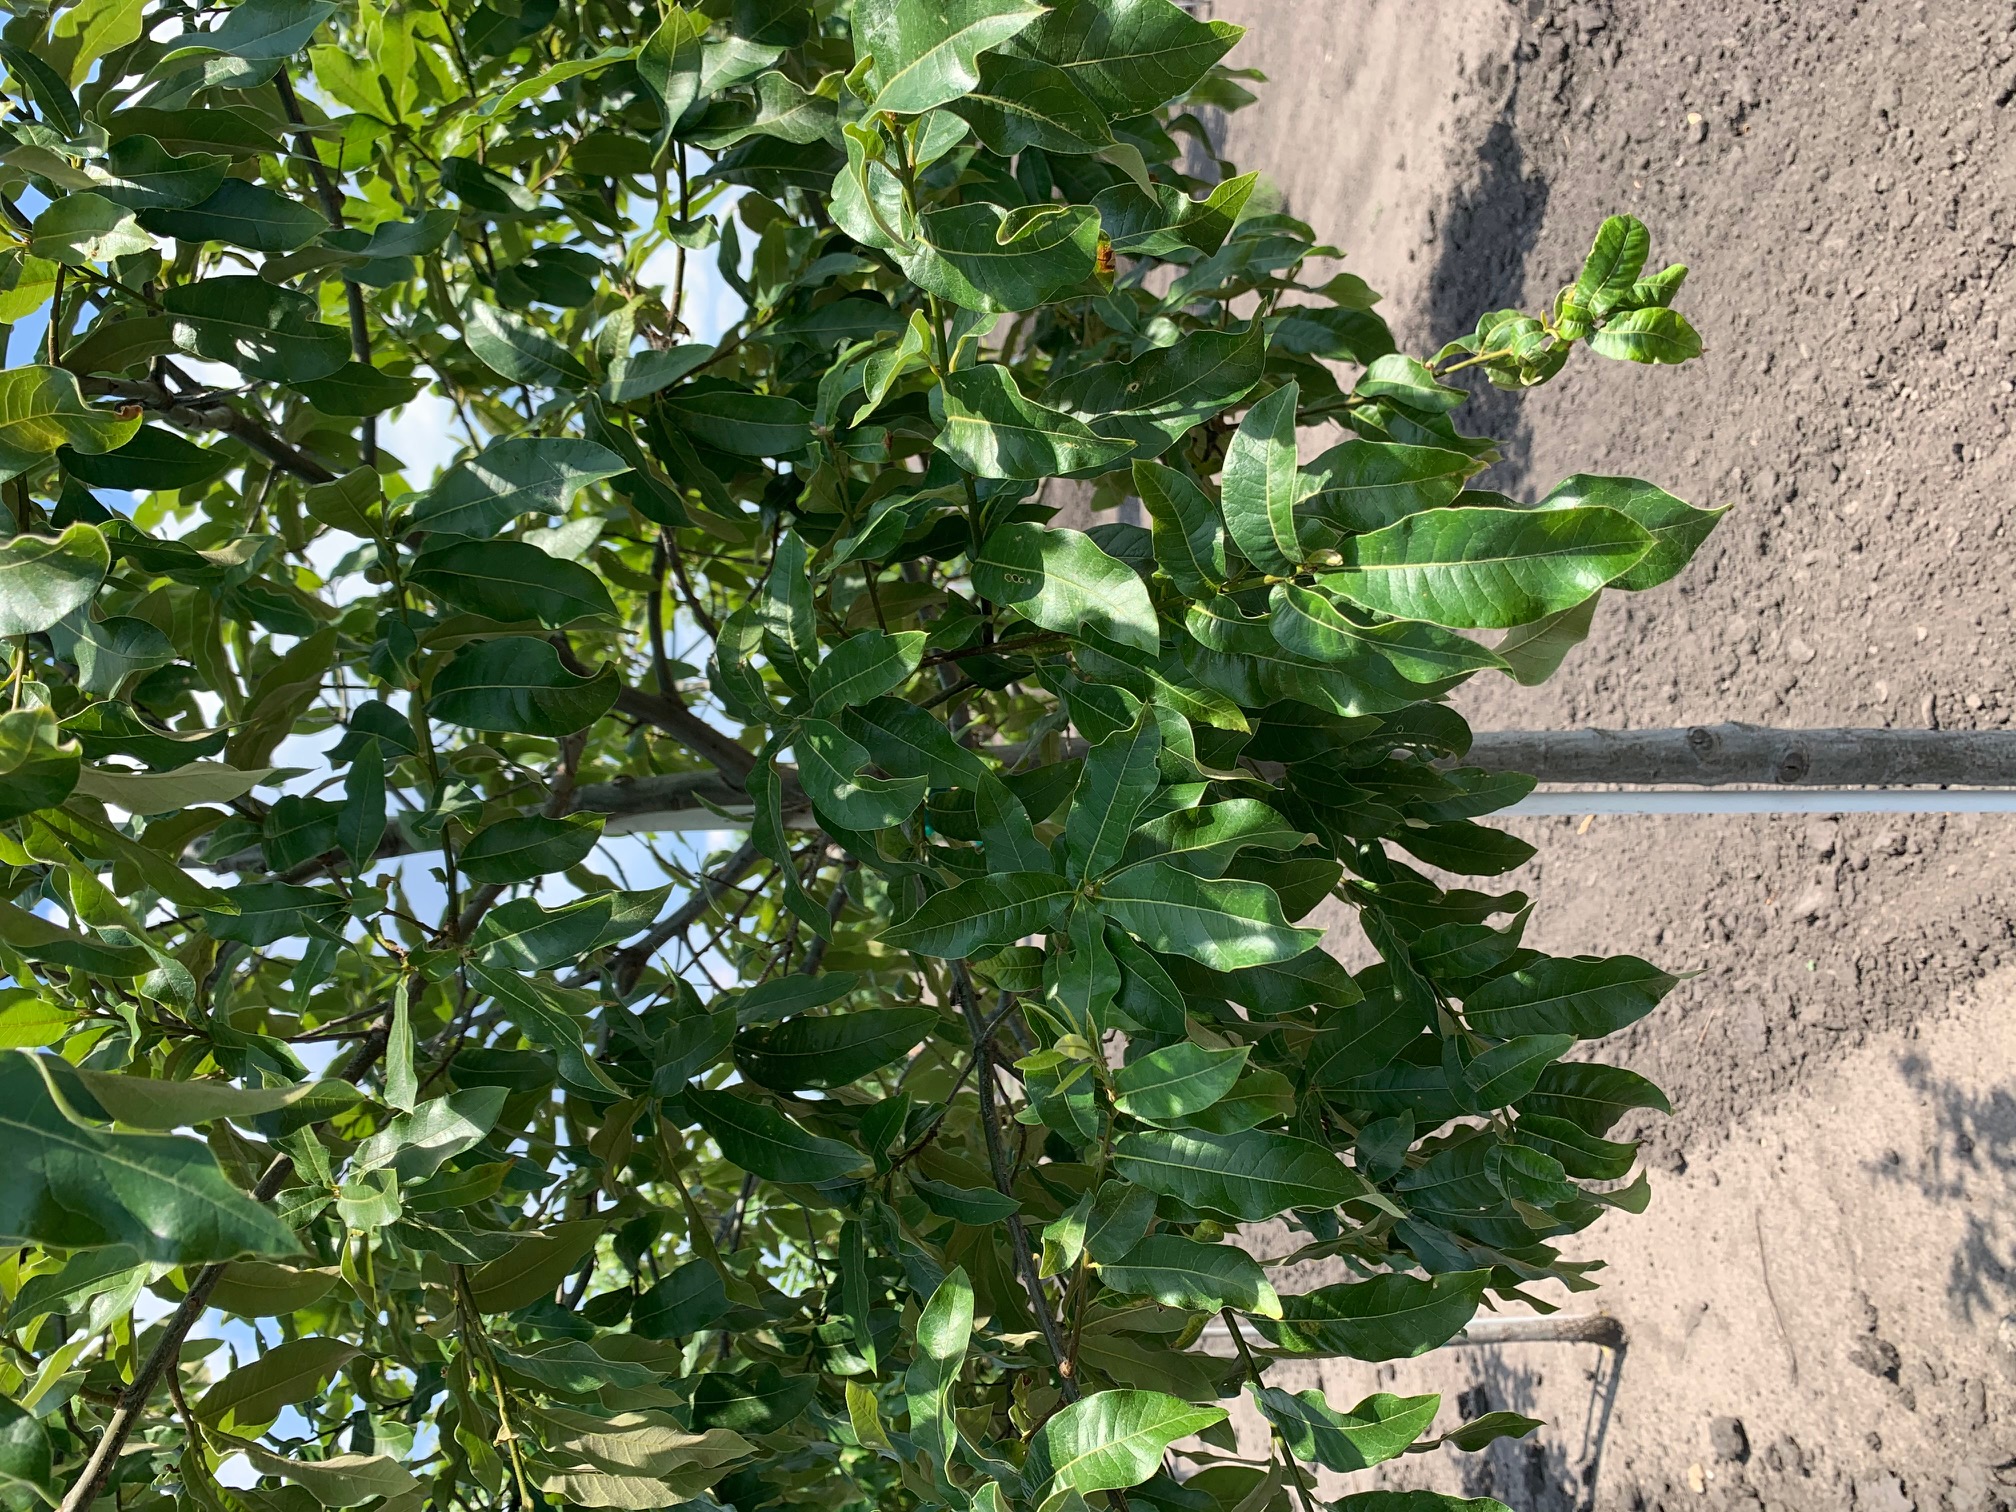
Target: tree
x=899, y=1156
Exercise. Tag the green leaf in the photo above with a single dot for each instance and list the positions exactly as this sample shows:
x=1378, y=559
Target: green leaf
x=1367, y=485
x=153, y=459
x=417, y=1144
x=163, y=792
x=1480, y=1432
x=1533, y=653
x=139, y=1102
x=1408, y=380
x=1166, y=392
x=338, y=1480
x=516, y=684
x=864, y=667
x=257, y=327
x=1260, y=484
x=831, y=1050
x=517, y=850
x=1592, y=1096
x=739, y=422
x=1177, y=1080
x=515, y=349
x=523, y=475
x=1416, y=1501
x=981, y=257
x=38, y=769
x=944, y=1330
x=39, y=940
x=1677, y=529
x=765, y=1143
x=510, y=580
x=832, y=765
x=1225, y=925
x=1188, y=533
x=981, y=915
x=41, y=410
x=240, y=215
x=29, y=1021
x=1391, y=1317
x=1111, y=1440
x=1059, y=580
x=1583, y=996
x=86, y=228
x=46, y=87
x=1022, y=102
x=1114, y=785
x=357, y=389
x=975, y=1206
x=75, y=1187
x=1651, y=335
x=1612, y=267
x=1205, y=840
x=1506, y=1073
x=1129, y=55
x=287, y=1373
x=1487, y=568
x=141, y=174
x=688, y=1300
x=44, y=580
x=26, y=1457
x=1248, y=1176
x=1196, y=1277
x=992, y=430
x=1378, y=1429
x=538, y=1263
x=926, y=52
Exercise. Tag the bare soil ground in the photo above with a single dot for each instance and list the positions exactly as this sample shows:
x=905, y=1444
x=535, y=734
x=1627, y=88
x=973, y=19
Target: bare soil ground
x=1831, y=1251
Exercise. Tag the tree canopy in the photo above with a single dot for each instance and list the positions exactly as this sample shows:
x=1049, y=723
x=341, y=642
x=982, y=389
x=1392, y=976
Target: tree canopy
x=373, y=1139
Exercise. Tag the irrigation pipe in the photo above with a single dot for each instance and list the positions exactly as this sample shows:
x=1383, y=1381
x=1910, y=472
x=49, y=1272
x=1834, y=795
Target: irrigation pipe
x=1770, y=801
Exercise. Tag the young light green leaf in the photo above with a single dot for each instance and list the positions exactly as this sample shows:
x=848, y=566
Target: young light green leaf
x=1677, y=529
x=41, y=410
x=1651, y=335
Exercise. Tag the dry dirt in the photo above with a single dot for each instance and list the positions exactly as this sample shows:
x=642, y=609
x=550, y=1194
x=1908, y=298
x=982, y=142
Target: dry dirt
x=1831, y=1250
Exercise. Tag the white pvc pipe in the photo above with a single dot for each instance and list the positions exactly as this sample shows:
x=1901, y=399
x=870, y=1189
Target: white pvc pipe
x=1770, y=801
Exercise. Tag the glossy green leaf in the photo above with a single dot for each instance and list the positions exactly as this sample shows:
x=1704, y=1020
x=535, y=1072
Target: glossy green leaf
x=1112, y=1439
x=240, y=215
x=259, y=328
x=983, y=914
x=1189, y=535
x=864, y=667
x=1582, y=996
x=832, y=766
x=1260, y=486
x=519, y=351
x=1225, y=925
x=993, y=430
x=1177, y=1080
x=1129, y=55
x=1114, y=785
x=1488, y=568
x=1677, y=529
x=1652, y=335
x=510, y=581
x=1196, y=1277
x=1248, y=1176
x=1061, y=581
x=927, y=53
x=525, y=475
x=1378, y=1429
x=516, y=850
x=1367, y=485
x=983, y=258
x=1391, y=1317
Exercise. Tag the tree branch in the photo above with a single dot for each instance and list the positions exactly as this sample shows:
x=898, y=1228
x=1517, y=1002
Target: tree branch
x=213, y=417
